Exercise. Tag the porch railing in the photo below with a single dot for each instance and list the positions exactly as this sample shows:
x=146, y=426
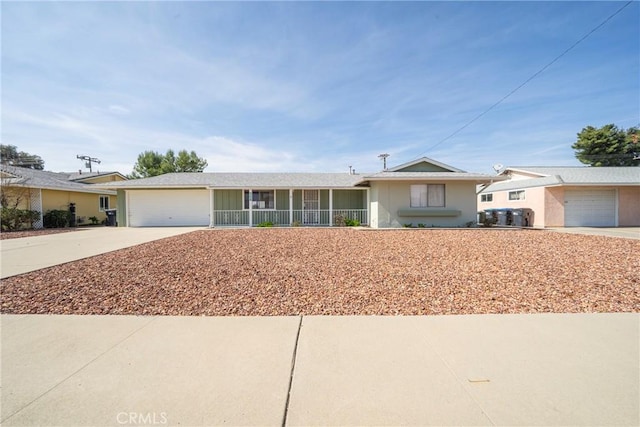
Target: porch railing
x=320, y=217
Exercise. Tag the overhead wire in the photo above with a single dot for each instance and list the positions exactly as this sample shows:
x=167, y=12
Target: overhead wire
x=536, y=74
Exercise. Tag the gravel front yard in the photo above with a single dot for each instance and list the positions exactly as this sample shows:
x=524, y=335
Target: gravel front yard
x=342, y=272
x=5, y=235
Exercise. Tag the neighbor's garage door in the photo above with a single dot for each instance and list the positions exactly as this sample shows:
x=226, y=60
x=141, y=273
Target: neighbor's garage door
x=161, y=208
x=590, y=208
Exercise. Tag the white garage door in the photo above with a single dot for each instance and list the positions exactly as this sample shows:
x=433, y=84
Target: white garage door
x=161, y=208
x=590, y=208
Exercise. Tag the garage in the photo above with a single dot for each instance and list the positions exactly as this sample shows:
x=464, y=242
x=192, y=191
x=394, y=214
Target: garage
x=168, y=208
x=590, y=208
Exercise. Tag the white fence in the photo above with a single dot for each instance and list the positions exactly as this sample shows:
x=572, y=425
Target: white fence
x=320, y=217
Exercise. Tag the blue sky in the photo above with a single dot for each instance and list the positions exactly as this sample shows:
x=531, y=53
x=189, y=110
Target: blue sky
x=280, y=86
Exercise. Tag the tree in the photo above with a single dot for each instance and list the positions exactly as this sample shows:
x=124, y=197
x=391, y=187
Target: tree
x=9, y=155
x=608, y=146
x=152, y=163
x=12, y=201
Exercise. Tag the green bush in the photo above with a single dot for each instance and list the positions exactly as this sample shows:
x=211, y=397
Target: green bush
x=56, y=219
x=265, y=224
x=94, y=220
x=343, y=221
x=12, y=219
x=351, y=222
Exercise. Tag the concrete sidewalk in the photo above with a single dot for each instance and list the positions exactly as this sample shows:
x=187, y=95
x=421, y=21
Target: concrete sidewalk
x=18, y=256
x=546, y=369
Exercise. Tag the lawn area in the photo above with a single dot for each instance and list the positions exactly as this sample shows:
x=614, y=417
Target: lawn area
x=341, y=271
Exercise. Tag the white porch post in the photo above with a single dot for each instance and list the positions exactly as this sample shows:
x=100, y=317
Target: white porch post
x=331, y=207
x=35, y=204
x=291, y=206
x=368, y=207
x=250, y=208
x=212, y=210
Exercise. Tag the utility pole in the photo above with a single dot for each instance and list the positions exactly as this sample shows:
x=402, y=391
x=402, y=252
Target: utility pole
x=89, y=160
x=384, y=160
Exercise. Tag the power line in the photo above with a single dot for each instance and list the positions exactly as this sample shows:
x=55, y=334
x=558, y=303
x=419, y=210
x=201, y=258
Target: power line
x=528, y=80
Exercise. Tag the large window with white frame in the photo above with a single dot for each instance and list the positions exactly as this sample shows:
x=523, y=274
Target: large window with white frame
x=104, y=203
x=427, y=196
x=260, y=199
x=486, y=197
x=516, y=195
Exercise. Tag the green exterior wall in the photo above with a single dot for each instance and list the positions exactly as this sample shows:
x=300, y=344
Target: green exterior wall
x=228, y=200
x=282, y=200
x=424, y=167
x=324, y=199
x=297, y=200
x=349, y=199
x=121, y=209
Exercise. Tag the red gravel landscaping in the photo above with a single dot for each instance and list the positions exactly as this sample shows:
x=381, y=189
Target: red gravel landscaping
x=341, y=271
x=5, y=235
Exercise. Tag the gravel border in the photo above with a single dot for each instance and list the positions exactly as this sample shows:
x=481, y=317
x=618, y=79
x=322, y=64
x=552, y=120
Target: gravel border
x=6, y=235
x=340, y=271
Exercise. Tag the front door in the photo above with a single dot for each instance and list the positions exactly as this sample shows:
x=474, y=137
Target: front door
x=311, y=207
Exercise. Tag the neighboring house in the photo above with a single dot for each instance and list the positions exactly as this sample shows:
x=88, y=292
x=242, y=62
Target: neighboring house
x=569, y=196
x=423, y=191
x=43, y=191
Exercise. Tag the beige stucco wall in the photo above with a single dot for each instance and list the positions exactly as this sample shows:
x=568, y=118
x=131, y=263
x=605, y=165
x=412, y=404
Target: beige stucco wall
x=389, y=196
x=629, y=206
x=554, y=207
x=534, y=199
x=18, y=197
x=548, y=204
x=87, y=204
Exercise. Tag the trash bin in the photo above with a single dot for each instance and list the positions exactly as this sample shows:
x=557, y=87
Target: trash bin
x=523, y=217
x=509, y=216
x=111, y=217
x=72, y=215
x=501, y=216
x=492, y=215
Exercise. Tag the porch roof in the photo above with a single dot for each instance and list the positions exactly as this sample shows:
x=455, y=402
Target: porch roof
x=216, y=180
x=433, y=176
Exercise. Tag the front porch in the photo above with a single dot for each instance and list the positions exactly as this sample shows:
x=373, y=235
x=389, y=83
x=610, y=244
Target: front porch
x=290, y=207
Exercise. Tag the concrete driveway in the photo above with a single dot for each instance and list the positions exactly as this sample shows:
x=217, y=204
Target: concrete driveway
x=624, y=232
x=18, y=256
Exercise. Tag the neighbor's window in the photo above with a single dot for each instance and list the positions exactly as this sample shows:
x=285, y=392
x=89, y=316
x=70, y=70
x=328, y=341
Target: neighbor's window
x=260, y=199
x=486, y=197
x=431, y=195
x=104, y=203
x=516, y=195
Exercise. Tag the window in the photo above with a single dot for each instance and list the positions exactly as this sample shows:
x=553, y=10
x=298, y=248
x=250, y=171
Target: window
x=104, y=203
x=431, y=195
x=486, y=197
x=260, y=199
x=516, y=195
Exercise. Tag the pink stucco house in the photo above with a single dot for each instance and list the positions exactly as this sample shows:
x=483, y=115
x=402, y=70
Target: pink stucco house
x=569, y=196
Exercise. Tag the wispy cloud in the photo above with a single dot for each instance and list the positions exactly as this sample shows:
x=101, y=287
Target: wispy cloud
x=312, y=86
